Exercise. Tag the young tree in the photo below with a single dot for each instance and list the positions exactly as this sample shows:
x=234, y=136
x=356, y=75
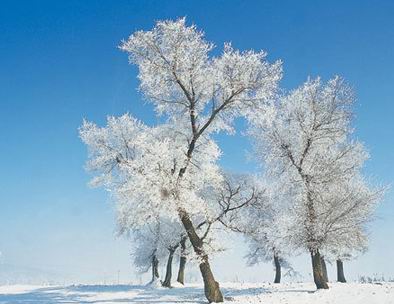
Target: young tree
x=308, y=150
x=198, y=95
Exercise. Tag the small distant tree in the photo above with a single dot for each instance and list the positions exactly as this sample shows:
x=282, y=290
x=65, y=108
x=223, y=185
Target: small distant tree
x=262, y=222
x=146, y=252
x=309, y=152
x=350, y=235
x=171, y=236
x=154, y=242
x=268, y=243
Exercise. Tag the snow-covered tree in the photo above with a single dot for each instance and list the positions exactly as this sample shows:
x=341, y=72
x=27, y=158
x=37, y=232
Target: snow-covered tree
x=262, y=221
x=146, y=252
x=198, y=95
x=349, y=237
x=171, y=236
x=154, y=242
x=137, y=164
x=268, y=237
x=308, y=149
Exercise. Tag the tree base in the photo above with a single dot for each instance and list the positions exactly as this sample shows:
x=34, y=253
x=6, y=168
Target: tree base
x=211, y=287
x=340, y=272
x=318, y=274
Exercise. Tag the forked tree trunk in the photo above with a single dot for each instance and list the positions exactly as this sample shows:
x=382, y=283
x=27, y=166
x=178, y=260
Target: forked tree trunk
x=277, y=269
x=318, y=275
x=182, y=263
x=155, y=268
x=324, y=268
x=167, y=279
x=340, y=273
x=211, y=287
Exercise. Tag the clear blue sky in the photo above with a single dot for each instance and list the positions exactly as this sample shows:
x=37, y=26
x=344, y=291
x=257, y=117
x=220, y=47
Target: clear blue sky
x=59, y=63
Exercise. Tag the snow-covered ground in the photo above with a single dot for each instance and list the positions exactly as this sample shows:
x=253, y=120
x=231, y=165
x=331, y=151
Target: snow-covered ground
x=294, y=293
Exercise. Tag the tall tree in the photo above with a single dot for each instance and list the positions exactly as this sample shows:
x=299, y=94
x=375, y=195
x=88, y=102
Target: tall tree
x=308, y=149
x=198, y=95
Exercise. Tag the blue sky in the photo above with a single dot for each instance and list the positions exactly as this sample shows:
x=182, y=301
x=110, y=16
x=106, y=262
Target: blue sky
x=59, y=63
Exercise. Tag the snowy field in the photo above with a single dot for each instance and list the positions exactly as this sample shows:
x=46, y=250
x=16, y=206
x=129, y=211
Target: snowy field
x=294, y=293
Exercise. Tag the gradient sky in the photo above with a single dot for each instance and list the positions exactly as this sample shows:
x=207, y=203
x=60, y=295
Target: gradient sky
x=59, y=63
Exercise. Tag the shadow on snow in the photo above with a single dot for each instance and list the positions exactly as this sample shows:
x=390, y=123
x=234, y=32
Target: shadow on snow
x=120, y=294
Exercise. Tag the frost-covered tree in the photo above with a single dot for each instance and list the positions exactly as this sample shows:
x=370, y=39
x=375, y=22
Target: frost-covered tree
x=171, y=236
x=308, y=149
x=351, y=238
x=128, y=155
x=262, y=221
x=199, y=95
x=137, y=164
x=260, y=252
x=146, y=252
x=267, y=238
x=154, y=242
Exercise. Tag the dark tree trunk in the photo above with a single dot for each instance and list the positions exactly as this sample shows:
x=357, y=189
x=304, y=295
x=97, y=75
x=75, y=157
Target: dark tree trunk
x=318, y=275
x=182, y=263
x=211, y=287
x=340, y=273
x=167, y=279
x=155, y=268
x=324, y=268
x=277, y=269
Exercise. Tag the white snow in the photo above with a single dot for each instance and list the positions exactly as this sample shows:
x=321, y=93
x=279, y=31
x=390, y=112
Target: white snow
x=236, y=293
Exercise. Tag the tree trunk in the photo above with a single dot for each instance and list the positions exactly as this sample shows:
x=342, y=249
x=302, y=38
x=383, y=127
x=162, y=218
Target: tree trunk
x=340, y=273
x=167, y=279
x=277, y=269
x=324, y=268
x=155, y=268
x=182, y=263
x=211, y=287
x=318, y=275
